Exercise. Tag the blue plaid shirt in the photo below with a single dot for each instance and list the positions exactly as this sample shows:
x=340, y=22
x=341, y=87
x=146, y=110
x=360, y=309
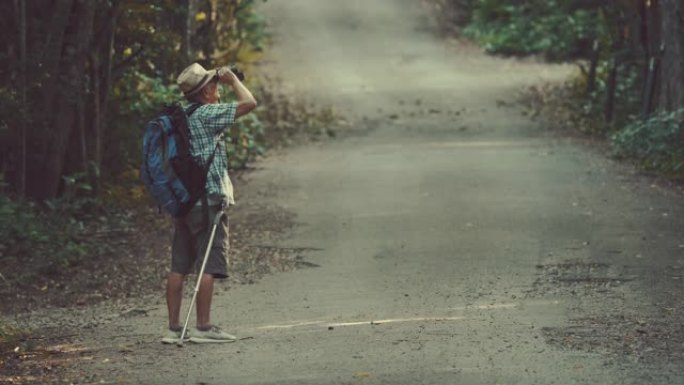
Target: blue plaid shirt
x=207, y=125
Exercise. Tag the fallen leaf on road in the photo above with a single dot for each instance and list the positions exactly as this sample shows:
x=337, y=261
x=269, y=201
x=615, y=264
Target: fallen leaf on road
x=361, y=375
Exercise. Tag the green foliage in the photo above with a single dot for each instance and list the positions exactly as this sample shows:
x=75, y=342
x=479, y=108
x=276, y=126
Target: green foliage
x=557, y=29
x=224, y=32
x=593, y=104
x=76, y=198
x=138, y=98
x=148, y=36
x=246, y=141
x=10, y=336
x=28, y=232
x=251, y=27
x=658, y=142
x=10, y=109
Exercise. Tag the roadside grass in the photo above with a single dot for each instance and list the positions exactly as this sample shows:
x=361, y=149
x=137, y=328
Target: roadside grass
x=10, y=337
x=76, y=257
x=12, y=344
x=26, y=359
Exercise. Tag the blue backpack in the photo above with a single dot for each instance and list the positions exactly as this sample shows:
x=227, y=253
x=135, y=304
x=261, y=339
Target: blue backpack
x=173, y=176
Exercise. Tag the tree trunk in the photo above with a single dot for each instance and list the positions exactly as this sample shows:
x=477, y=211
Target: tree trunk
x=81, y=114
x=67, y=95
x=189, y=29
x=23, y=87
x=51, y=56
x=671, y=95
x=102, y=80
x=650, y=43
x=593, y=66
x=211, y=31
x=609, y=114
x=97, y=118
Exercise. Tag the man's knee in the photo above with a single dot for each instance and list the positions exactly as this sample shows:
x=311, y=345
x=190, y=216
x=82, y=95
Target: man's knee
x=207, y=278
x=174, y=279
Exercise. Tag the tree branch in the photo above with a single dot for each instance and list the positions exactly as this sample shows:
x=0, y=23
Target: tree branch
x=120, y=65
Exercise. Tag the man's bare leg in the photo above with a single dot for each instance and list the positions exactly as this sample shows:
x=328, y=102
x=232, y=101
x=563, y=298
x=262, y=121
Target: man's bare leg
x=174, y=296
x=206, y=291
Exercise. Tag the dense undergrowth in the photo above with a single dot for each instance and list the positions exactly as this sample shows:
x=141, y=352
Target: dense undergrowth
x=655, y=143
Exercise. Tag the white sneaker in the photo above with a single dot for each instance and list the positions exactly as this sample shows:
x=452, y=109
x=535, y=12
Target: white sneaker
x=213, y=335
x=172, y=336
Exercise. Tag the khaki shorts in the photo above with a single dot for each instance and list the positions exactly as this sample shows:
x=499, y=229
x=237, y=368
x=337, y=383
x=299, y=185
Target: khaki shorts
x=190, y=240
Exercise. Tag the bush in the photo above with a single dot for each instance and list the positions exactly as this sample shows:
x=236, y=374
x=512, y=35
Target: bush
x=138, y=98
x=10, y=336
x=657, y=142
x=246, y=141
x=593, y=105
x=552, y=28
x=49, y=236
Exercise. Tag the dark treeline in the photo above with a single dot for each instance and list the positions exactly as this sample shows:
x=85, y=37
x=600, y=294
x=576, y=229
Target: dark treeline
x=80, y=77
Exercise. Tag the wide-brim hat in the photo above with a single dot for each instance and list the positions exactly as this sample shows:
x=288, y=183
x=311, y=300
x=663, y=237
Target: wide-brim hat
x=194, y=78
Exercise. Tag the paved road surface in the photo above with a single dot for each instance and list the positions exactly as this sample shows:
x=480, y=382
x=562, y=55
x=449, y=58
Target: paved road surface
x=456, y=243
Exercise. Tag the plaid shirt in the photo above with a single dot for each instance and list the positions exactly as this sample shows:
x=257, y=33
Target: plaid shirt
x=207, y=125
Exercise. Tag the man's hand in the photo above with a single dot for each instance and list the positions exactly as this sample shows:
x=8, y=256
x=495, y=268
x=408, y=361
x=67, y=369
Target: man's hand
x=227, y=76
x=246, y=101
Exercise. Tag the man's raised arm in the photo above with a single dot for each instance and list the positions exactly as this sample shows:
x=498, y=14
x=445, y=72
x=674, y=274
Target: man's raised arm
x=245, y=99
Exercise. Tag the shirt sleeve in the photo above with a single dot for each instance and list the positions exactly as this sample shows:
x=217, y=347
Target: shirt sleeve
x=216, y=118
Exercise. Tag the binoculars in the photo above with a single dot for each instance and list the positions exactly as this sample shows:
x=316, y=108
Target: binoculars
x=235, y=70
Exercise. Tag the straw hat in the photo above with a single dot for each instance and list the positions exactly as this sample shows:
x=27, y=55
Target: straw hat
x=194, y=78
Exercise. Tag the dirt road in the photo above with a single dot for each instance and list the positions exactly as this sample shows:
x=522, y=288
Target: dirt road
x=448, y=239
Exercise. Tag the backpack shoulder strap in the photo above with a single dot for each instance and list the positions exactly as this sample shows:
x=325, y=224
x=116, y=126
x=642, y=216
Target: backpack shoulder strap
x=192, y=108
x=204, y=199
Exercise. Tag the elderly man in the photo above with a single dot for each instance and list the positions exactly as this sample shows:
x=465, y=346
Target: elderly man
x=208, y=121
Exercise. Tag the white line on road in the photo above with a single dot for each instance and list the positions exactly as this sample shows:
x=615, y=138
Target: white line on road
x=357, y=323
x=327, y=323
x=464, y=144
x=486, y=307
x=292, y=325
x=460, y=144
x=395, y=320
